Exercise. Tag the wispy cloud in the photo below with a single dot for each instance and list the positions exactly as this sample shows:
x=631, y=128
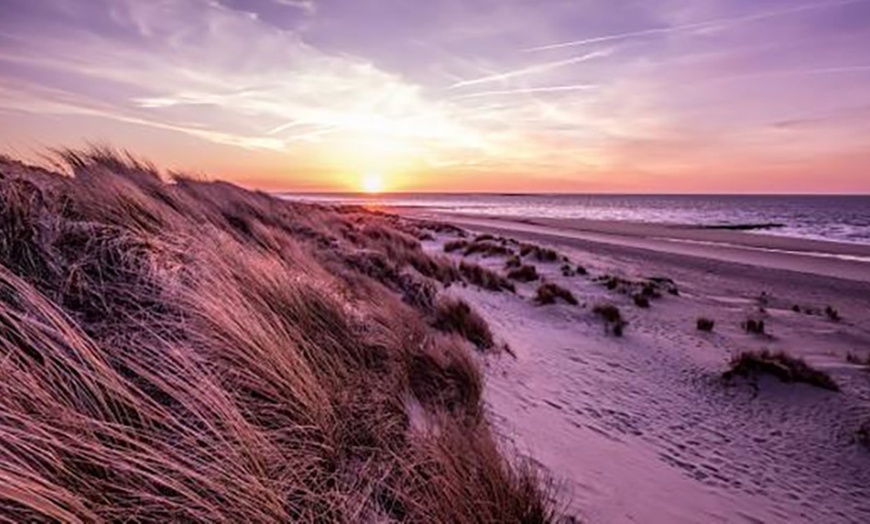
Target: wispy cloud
x=306, y=5
x=707, y=24
x=527, y=91
x=533, y=70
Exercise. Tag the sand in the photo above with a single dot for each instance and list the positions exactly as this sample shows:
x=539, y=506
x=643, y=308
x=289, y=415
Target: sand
x=643, y=428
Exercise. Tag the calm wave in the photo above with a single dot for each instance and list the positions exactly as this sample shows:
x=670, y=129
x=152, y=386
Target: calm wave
x=838, y=218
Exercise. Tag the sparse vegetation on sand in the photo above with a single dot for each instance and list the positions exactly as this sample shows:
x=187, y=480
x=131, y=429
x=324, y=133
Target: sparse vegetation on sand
x=780, y=365
x=651, y=288
x=612, y=317
x=455, y=245
x=862, y=436
x=195, y=352
x=549, y=293
x=541, y=254
x=487, y=249
x=854, y=358
x=754, y=327
x=705, y=324
x=641, y=301
x=525, y=273
x=485, y=278
x=572, y=271
x=832, y=314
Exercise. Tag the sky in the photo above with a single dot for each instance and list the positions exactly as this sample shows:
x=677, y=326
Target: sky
x=627, y=96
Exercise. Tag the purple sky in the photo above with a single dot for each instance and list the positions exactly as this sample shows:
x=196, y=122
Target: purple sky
x=499, y=95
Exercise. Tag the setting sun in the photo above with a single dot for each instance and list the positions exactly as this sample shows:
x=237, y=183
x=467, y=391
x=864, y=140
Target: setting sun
x=372, y=183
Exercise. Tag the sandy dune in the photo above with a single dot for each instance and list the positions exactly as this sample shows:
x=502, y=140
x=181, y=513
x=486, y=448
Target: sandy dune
x=642, y=428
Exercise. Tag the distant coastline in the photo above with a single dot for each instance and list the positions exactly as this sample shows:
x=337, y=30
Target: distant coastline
x=838, y=218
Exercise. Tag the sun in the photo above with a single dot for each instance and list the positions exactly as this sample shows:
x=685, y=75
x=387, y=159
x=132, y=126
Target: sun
x=372, y=183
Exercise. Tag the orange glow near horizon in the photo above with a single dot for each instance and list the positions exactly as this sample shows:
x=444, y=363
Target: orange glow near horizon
x=550, y=98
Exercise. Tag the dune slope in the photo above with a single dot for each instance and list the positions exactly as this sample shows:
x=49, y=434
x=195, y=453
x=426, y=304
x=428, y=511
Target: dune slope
x=191, y=351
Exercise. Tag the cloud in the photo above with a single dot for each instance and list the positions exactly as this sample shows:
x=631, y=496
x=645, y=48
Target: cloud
x=527, y=91
x=306, y=5
x=533, y=70
x=707, y=24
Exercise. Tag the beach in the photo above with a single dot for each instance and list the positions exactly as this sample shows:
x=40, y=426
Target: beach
x=643, y=428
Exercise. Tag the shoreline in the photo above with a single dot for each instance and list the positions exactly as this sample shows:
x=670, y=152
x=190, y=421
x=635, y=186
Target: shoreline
x=840, y=260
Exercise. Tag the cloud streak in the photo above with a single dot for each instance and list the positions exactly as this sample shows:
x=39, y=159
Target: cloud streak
x=707, y=24
x=533, y=70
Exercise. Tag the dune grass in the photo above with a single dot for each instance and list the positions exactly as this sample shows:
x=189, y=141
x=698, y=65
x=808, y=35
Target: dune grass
x=196, y=352
x=485, y=278
x=705, y=324
x=550, y=293
x=612, y=316
x=781, y=365
x=524, y=273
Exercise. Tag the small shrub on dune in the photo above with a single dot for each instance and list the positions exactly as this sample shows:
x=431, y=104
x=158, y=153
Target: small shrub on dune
x=832, y=314
x=754, y=327
x=484, y=238
x=612, y=317
x=780, y=365
x=513, y=262
x=456, y=316
x=862, y=436
x=854, y=358
x=444, y=228
x=705, y=324
x=541, y=254
x=524, y=274
x=641, y=301
x=455, y=245
x=487, y=249
x=549, y=294
x=485, y=278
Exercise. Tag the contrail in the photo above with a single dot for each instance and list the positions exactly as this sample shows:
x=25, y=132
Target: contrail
x=540, y=68
x=529, y=90
x=695, y=25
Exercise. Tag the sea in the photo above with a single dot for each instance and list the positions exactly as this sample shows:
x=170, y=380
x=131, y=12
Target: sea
x=841, y=218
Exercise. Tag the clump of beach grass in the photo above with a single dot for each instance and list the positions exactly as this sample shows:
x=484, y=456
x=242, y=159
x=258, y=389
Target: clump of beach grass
x=705, y=324
x=754, y=327
x=550, y=293
x=612, y=316
x=541, y=254
x=456, y=316
x=485, y=278
x=525, y=273
x=780, y=365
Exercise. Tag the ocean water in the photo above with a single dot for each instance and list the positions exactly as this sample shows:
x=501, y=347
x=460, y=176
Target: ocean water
x=837, y=218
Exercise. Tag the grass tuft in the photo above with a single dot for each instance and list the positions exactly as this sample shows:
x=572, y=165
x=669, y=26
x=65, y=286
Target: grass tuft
x=781, y=365
x=755, y=327
x=549, y=294
x=612, y=316
x=705, y=324
x=456, y=316
x=541, y=254
x=485, y=278
x=525, y=273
